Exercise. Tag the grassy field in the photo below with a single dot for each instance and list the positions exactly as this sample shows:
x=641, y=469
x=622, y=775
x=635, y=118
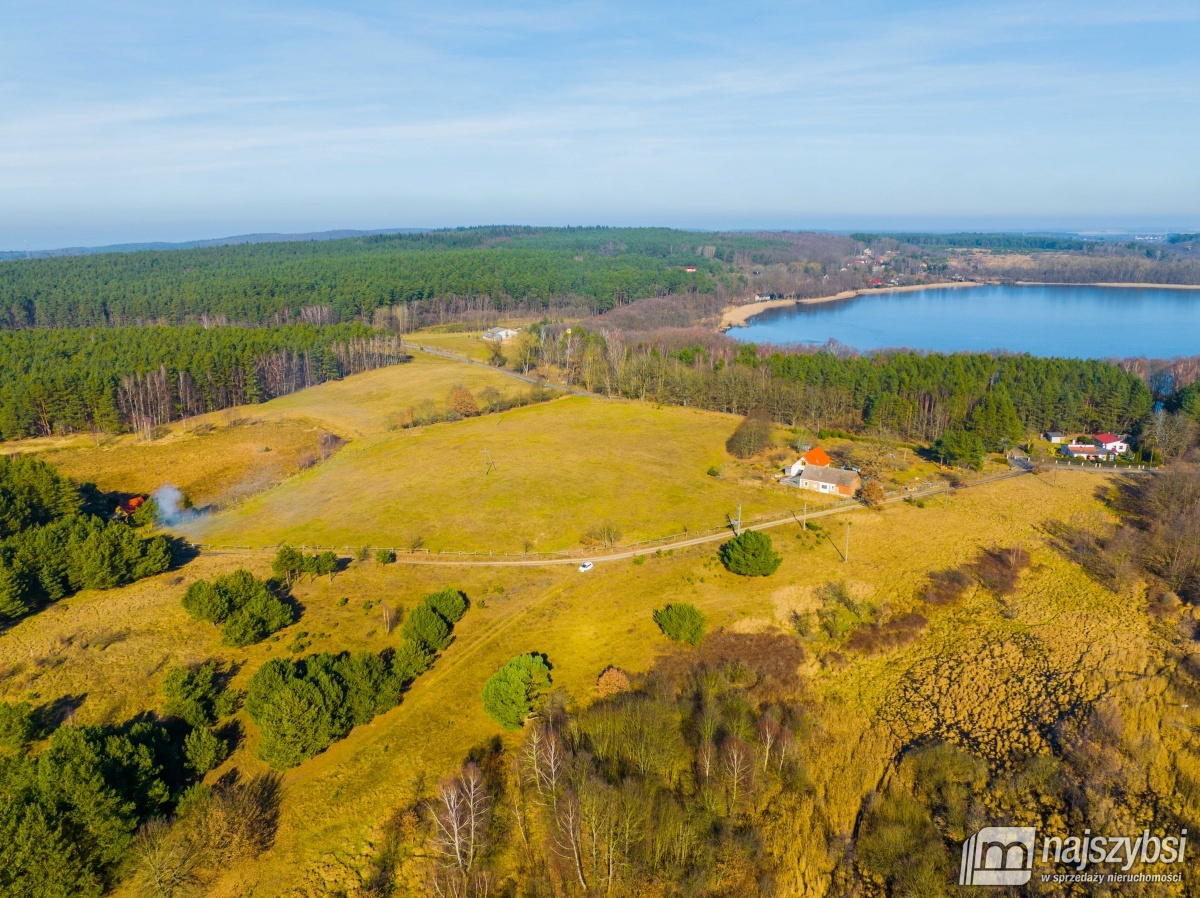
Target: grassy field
x=222, y=457
x=985, y=671
x=535, y=477
x=370, y=403
x=106, y=652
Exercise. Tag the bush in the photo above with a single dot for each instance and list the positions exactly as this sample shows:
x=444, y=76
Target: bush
x=245, y=605
x=261, y=616
x=385, y=556
x=462, y=402
x=681, y=622
x=751, y=555
x=450, y=604
x=428, y=628
x=510, y=693
x=204, y=601
x=16, y=723
x=752, y=436
x=204, y=750
x=193, y=696
x=613, y=681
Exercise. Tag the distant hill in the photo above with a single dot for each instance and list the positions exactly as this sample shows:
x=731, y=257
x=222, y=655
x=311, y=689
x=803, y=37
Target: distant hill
x=8, y=255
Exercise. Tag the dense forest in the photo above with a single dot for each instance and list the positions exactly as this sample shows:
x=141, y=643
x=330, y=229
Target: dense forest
x=273, y=283
x=110, y=379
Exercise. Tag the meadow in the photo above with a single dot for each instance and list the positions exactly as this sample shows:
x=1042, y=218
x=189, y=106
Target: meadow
x=991, y=673
x=101, y=656
x=529, y=479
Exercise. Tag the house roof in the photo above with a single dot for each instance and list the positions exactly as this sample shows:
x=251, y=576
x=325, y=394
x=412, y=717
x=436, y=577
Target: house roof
x=1106, y=438
x=837, y=476
x=815, y=456
x=1054, y=433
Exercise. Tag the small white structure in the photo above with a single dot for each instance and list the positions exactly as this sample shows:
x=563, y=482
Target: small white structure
x=499, y=334
x=1055, y=437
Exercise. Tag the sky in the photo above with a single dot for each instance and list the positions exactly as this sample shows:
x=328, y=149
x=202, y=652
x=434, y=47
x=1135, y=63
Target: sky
x=135, y=121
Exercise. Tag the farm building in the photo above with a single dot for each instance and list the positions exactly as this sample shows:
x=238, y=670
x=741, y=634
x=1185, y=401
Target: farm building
x=499, y=334
x=821, y=479
x=1055, y=437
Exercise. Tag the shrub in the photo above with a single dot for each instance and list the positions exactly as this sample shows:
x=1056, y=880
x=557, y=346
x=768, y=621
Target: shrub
x=427, y=627
x=450, y=604
x=681, y=622
x=262, y=615
x=751, y=555
x=16, y=723
x=510, y=693
x=714, y=471
x=192, y=695
x=204, y=750
x=752, y=436
x=613, y=681
x=204, y=601
x=463, y=402
x=385, y=556
x=872, y=494
x=245, y=605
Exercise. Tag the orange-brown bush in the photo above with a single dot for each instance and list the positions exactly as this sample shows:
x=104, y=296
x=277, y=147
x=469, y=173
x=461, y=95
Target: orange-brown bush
x=463, y=401
x=613, y=681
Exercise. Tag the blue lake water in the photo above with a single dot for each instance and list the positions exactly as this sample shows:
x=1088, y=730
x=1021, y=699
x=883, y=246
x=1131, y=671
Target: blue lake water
x=1076, y=322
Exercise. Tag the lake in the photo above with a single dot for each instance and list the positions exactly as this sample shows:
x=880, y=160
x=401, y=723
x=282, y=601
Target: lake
x=1077, y=322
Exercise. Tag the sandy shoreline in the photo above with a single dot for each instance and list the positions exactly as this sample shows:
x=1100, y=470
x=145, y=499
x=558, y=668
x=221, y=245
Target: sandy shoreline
x=739, y=316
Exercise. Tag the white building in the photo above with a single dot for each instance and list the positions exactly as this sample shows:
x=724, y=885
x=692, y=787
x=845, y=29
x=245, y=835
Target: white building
x=499, y=334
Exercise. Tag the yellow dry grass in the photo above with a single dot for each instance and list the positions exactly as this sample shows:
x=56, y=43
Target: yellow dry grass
x=335, y=803
x=541, y=475
x=219, y=466
x=371, y=402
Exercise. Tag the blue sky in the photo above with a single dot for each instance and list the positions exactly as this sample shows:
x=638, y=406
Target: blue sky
x=124, y=121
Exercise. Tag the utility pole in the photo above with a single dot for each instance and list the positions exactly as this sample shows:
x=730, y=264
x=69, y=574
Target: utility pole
x=737, y=524
x=805, y=520
x=846, y=557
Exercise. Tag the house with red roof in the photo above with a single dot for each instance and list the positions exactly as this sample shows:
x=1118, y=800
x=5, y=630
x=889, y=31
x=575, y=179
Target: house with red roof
x=814, y=456
x=1110, y=443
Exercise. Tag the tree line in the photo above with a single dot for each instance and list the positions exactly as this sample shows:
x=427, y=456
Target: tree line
x=113, y=379
x=911, y=395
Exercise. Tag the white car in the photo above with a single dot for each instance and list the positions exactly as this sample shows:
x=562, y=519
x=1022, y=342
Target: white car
x=585, y=567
